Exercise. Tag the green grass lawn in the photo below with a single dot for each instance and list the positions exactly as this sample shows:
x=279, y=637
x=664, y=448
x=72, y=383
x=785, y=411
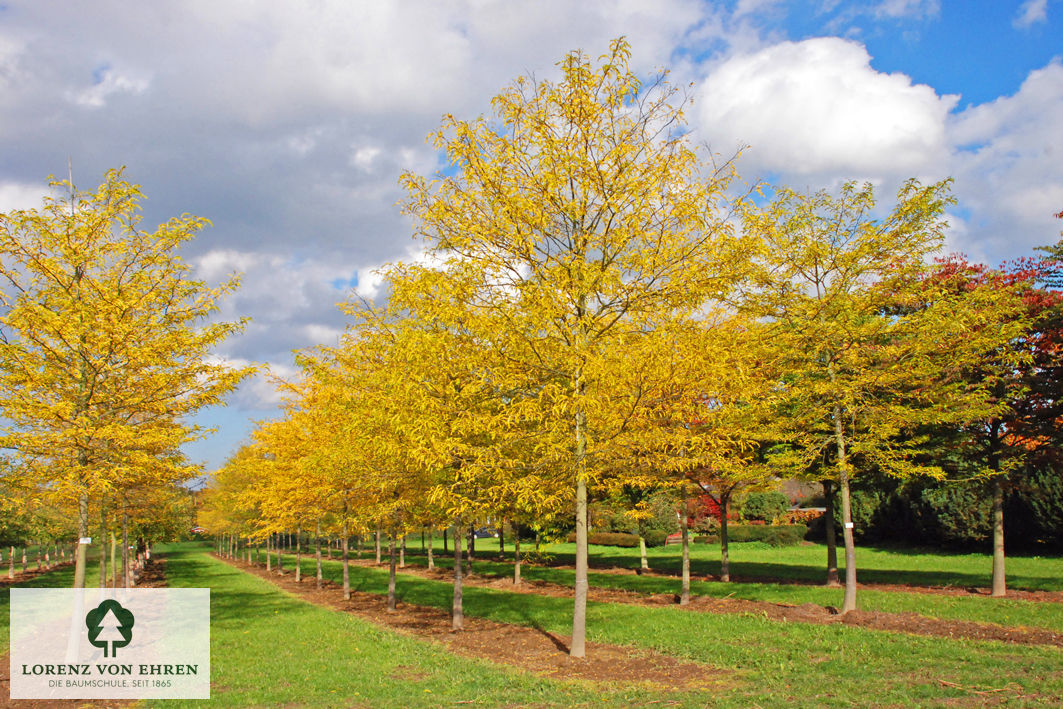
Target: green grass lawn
x=804, y=560
x=773, y=662
x=270, y=648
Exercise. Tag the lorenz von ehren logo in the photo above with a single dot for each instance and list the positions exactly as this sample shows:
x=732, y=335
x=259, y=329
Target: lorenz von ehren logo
x=111, y=625
x=121, y=643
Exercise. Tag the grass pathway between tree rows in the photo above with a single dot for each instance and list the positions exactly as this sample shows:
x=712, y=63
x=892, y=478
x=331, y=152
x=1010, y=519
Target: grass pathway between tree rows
x=772, y=662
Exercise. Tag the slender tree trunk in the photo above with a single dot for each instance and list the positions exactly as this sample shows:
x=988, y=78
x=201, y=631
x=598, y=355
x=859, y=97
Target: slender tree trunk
x=346, y=566
x=471, y=555
x=445, y=550
x=23, y=560
x=114, y=560
x=11, y=563
x=317, y=553
x=83, y=548
x=391, y=572
x=402, y=552
x=358, y=542
x=278, y=543
x=125, y=551
x=832, y=541
x=684, y=527
x=457, y=616
x=644, y=562
x=579, y=611
x=1000, y=588
x=849, y=602
x=103, y=554
x=298, y=555
x=377, y=542
x=725, y=555
x=516, y=557
x=502, y=539
x=431, y=543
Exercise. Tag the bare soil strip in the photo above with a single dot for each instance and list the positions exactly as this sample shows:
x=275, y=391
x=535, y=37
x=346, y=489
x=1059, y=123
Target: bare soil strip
x=912, y=623
x=153, y=576
x=527, y=648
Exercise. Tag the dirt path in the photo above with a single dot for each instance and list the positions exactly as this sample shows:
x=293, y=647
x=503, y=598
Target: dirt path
x=154, y=576
x=528, y=648
x=807, y=613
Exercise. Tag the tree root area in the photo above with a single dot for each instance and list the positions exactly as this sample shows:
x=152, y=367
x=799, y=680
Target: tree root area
x=532, y=649
x=911, y=623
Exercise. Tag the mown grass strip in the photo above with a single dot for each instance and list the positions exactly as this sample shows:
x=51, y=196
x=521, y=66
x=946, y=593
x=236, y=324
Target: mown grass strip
x=977, y=608
x=796, y=663
x=270, y=648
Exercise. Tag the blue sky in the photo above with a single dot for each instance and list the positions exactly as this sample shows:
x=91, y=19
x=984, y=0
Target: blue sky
x=288, y=124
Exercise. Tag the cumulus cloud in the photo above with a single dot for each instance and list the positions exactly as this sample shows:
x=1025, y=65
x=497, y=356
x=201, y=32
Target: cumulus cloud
x=1007, y=165
x=817, y=107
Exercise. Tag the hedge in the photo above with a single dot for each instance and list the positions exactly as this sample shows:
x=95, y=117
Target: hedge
x=776, y=535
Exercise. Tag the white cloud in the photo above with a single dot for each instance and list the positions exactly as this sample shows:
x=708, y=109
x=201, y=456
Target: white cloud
x=1030, y=13
x=918, y=9
x=108, y=83
x=817, y=107
x=15, y=195
x=1007, y=165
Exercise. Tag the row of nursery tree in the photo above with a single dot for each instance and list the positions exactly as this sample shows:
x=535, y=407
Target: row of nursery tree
x=602, y=309
x=105, y=345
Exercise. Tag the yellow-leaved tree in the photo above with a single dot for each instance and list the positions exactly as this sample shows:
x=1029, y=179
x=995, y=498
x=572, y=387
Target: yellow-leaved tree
x=583, y=218
x=105, y=345
x=873, y=354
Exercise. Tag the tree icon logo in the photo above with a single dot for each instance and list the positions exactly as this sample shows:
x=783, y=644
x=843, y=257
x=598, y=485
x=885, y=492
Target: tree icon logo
x=109, y=623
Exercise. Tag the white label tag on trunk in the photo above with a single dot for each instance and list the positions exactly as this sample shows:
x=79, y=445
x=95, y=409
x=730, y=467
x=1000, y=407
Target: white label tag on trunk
x=849, y=525
x=85, y=540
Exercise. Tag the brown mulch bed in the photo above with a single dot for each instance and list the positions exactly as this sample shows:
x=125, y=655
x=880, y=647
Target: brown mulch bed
x=528, y=648
x=153, y=576
x=30, y=573
x=912, y=623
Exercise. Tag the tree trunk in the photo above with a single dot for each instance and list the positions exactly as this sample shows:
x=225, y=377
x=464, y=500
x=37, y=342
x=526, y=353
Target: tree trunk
x=516, y=558
x=832, y=541
x=725, y=556
x=83, y=533
x=278, y=543
x=471, y=550
x=125, y=551
x=502, y=539
x=317, y=553
x=431, y=543
x=644, y=562
x=114, y=561
x=445, y=550
x=346, y=566
x=684, y=527
x=11, y=564
x=457, y=616
x=402, y=552
x=391, y=573
x=298, y=555
x=1000, y=588
x=849, y=602
x=377, y=542
x=579, y=611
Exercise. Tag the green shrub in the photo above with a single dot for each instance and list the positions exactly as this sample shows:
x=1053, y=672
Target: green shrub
x=765, y=506
x=610, y=539
x=776, y=535
x=655, y=538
